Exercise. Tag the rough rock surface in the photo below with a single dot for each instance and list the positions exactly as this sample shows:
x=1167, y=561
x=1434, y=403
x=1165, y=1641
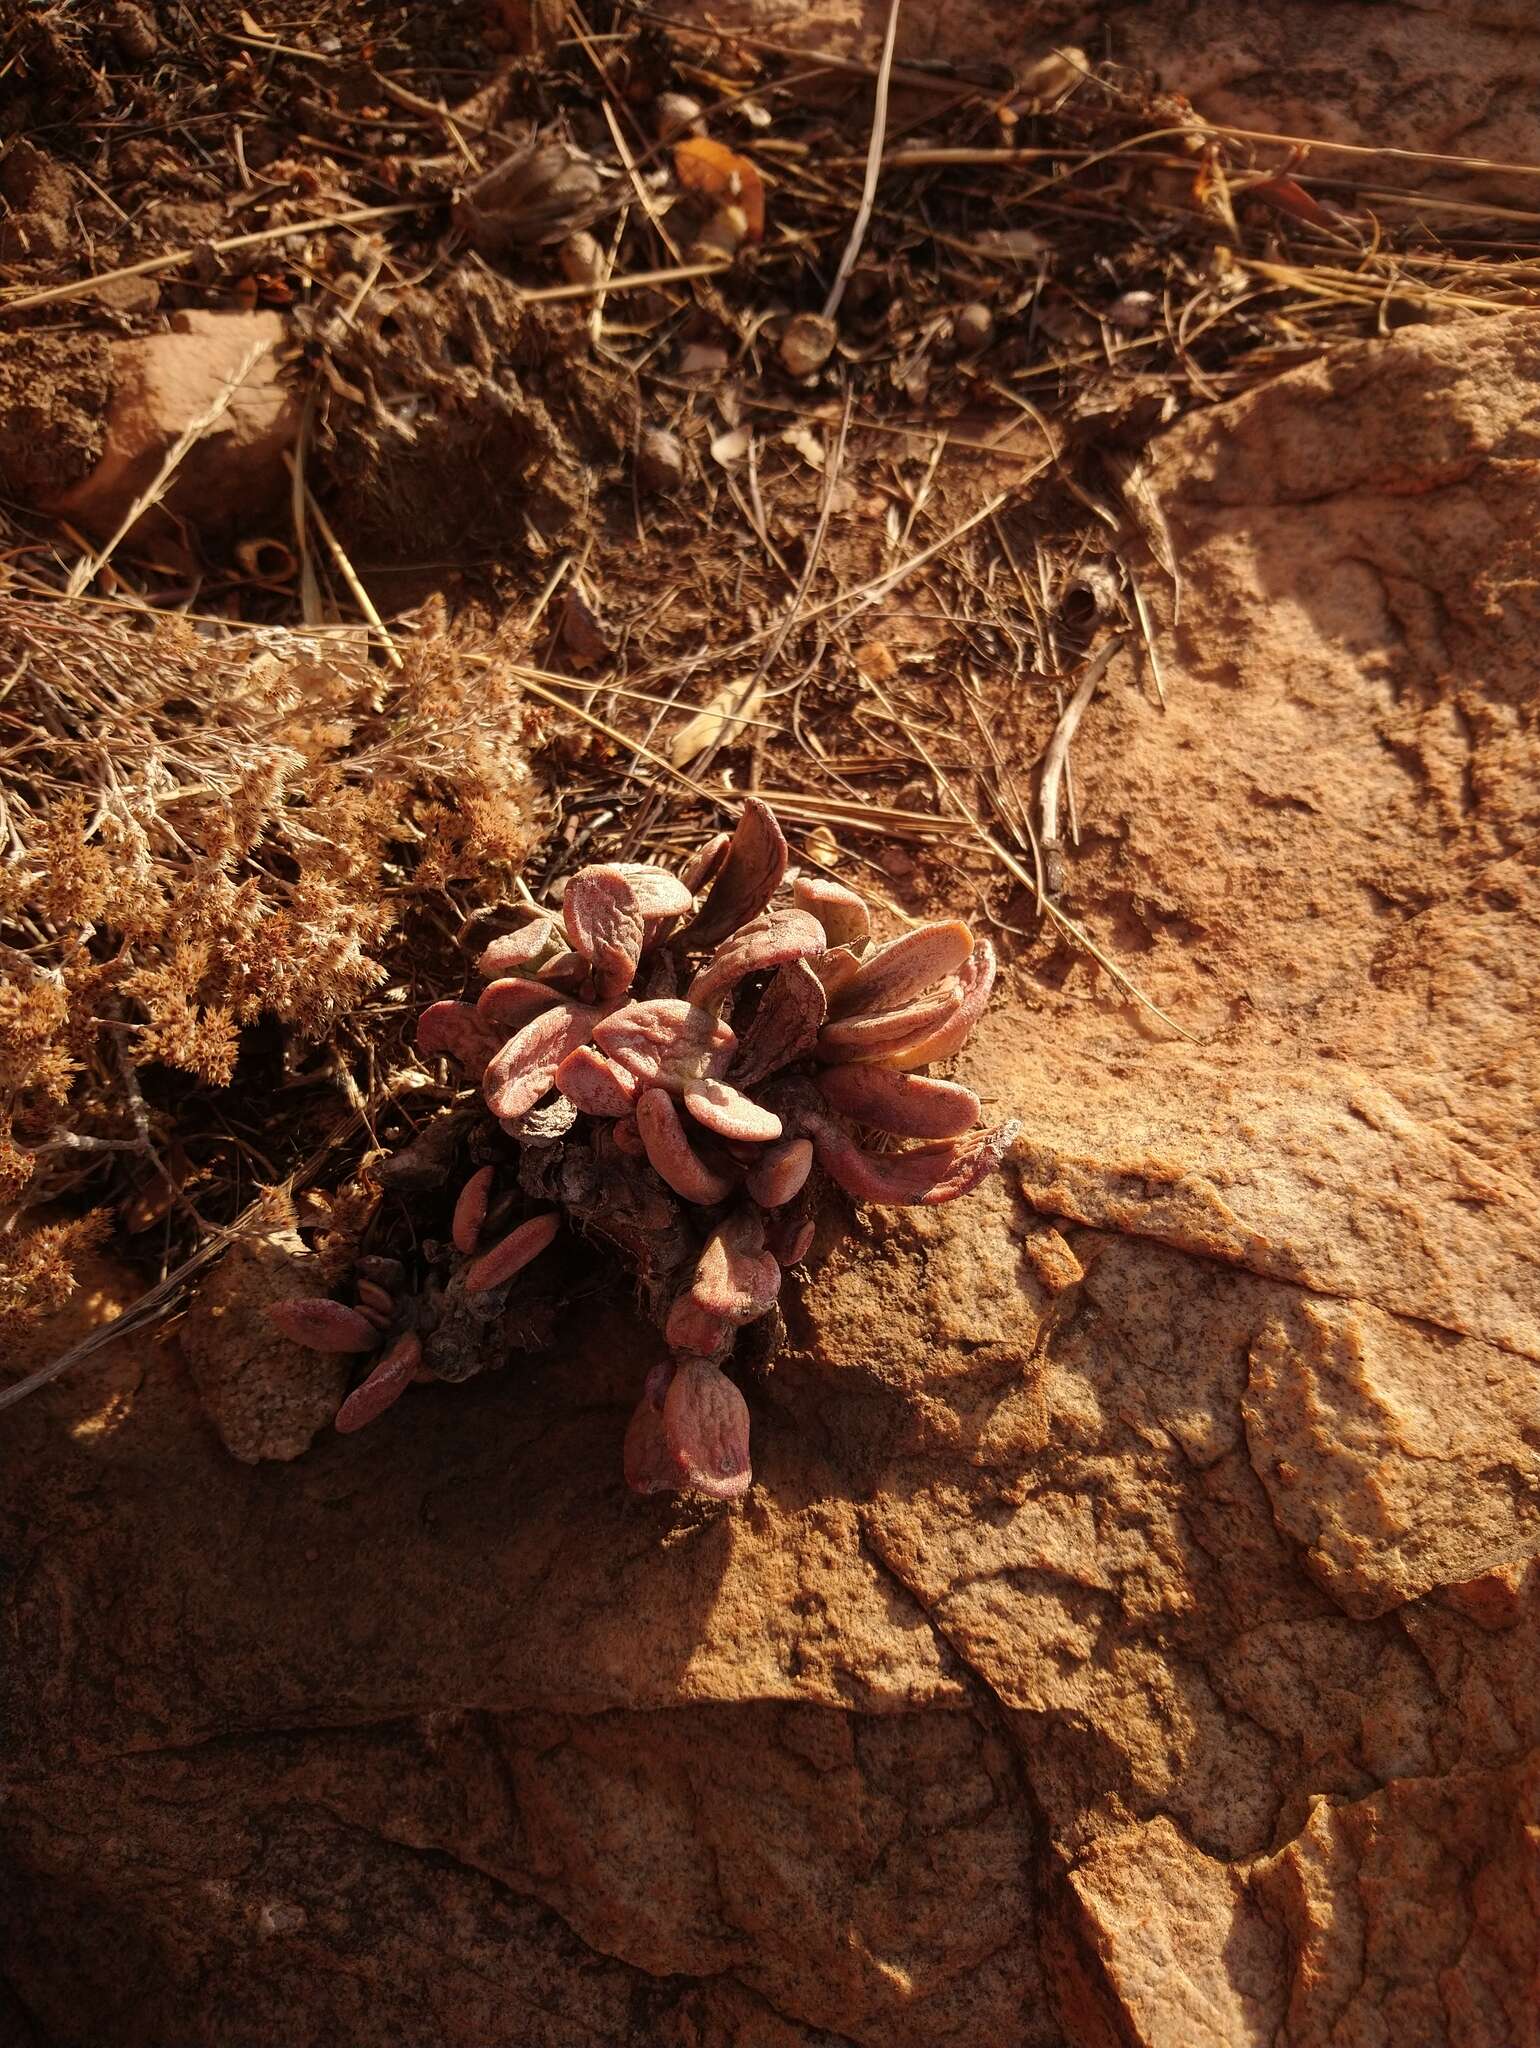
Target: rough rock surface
x=163, y=386
x=1131, y=1635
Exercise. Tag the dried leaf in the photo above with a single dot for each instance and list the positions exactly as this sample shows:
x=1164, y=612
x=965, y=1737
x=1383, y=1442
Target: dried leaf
x=785, y=1026
x=718, y=172
x=721, y=715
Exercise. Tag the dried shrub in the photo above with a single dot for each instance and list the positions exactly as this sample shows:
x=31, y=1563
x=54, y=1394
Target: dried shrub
x=202, y=829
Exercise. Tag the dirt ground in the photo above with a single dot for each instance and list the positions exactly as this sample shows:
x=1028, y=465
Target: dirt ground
x=427, y=464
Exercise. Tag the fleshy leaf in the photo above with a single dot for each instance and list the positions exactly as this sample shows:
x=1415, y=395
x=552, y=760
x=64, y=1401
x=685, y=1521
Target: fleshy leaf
x=736, y=1278
x=720, y=1107
x=596, y=1086
x=905, y=968
x=568, y=971
x=375, y=1301
x=841, y=912
x=785, y=1026
x=926, y=1175
x=649, y=1465
x=706, y=864
x=865, y=1035
x=780, y=1173
x=519, y=952
x=604, y=920
x=836, y=970
x=507, y=1004
x=471, y=1210
x=520, y=1072
x=667, y=1042
x=456, y=1029
x=706, y=1424
x=695, y=1329
x=323, y=1325
x=747, y=879
x=384, y=1386
x=772, y=939
x=658, y=893
x=672, y=1155
x=511, y=1253
x=908, y=1105
x=791, y=1245
x=628, y=1137
x=942, y=1041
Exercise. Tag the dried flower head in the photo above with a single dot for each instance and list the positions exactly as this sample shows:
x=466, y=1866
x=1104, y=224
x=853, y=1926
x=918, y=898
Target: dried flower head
x=676, y=1063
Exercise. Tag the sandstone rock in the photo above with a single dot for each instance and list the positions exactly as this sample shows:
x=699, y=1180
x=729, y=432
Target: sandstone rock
x=160, y=386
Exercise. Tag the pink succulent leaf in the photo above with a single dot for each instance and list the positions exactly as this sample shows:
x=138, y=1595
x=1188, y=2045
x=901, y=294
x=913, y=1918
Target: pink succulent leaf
x=706, y=1424
x=378, y=1317
x=780, y=1173
x=695, y=1329
x=865, y=1035
x=904, y=968
x=667, y=1042
x=519, y=952
x=323, y=1325
x=521, y=1071
x=596, y=1085
x=926, y=1175
x=836, y=970
x=384, y=1386
x=785, y=1026
x=604, y=921
x=772, y=939
x=747, y=879
x=736, y=1279
x=471, y=1210
x=942, y=1041
x=673, y=1157
x=658, y=893
x=647, y=1461
x=375, y=1299
x=908, y=1105
x=659, y=1378
x=720, y=1107
x=506, y=1005
x=791, y=1245
x=841, y=912
x=628, y=1137
x=512, y=1253
x=456, y=1029
x=706, y=865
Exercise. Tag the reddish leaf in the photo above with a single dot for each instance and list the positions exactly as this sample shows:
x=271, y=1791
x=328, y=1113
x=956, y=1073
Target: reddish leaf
x=941, y=1041
x=506, y=1005
x=836, y=970
x=628, y=1137
x=784, y=1027
x=926, y=1175
x=519, y=952
x=706, y=864
x=1290, y=197
x=706, y=1424
x=604, y=921
x=908, y=1105
x=792, y=1245
x=695, y=1329
x=649, y=1464
x=841, y=912
x=659, y=893
x=747, y=879
x=736, y=1278
x=471, y=1210
x=667, y=1042
x=383, y=1388
x=323, y=1325
x=374, y=1301
x=596, y=1085
x=673, y=1157
x=780, y=1173
x=569, y=971
x=512, y=1253
x=905, y=967
x=521, y=1071
x=772, y=939
x=865, y=1035
x=730, y=1113
x=456, y=1029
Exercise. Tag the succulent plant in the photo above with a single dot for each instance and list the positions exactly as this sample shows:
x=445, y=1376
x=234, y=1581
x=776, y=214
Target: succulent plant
x=678, y=1076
